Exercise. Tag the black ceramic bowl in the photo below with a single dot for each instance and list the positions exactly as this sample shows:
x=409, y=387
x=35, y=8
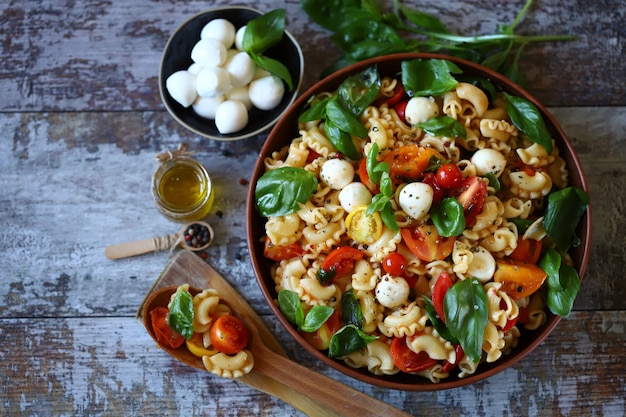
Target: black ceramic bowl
x=286, y=129
x=177, y=56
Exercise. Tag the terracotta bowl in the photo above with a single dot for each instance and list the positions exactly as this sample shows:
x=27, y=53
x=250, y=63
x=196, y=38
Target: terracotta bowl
x=177, y=56
x=286, y=129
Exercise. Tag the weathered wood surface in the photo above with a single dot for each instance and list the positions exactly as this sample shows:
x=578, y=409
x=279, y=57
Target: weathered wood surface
x=81, y=120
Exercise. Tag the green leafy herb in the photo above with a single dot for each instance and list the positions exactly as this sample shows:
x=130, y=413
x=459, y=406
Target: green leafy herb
x=344, y=119
x=351, y=309
x=448, y=217
x=291, y=307
x=348, y=339
x=280, y=191
x=527, y=118
x=180, y=317
x=494, y=182
x=341, y=139
x=443, y=126
x=359, y=91
x=465, y=305
x=325, y=275
x=437, y=323
x=315, y=110
x=378, y=172
x=429, y=77
x=563, y=213
x=563, y=283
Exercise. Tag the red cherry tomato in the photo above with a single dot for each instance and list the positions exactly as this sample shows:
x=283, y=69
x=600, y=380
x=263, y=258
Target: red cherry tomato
x=165, y=335
x=365, y=178
x=441, y=287
x=341, y=260
x=405, y=359
x=438, y=192
x=449, y=175
x=228, y=334
x=424, y=241
x=394, y=264
x=527, y=250
x=449, y=366
x=400, y=109
x=472, y=194
x=398, y=94
x=509, y=323
x=281, y=252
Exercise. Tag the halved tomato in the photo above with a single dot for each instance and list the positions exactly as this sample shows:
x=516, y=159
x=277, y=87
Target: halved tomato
x=407, y=163
x=165, y=335
x=341, y=260
x=527, y=250
x=441, y=287
x=398, y=94
x=320, y=339
x=472, y=194
x=281, y=252
x=362, y=227
x=449, y=366
x=405, y=359
x=365, y=178
x=400, y=109
x=518, y=279
x=426, y=243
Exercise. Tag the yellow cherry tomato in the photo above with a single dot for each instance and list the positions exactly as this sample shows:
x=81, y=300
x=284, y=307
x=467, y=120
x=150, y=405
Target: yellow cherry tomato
x=519, y=279
x=363, y=228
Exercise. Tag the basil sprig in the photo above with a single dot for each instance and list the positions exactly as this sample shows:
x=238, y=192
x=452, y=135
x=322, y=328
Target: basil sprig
x=448, y=217
x=563, y=283
x=348, y=339
x=180, y=317
x=527, y=118
x=429, y=77
x=291, y=307
x=443, y=126
x=351, y=312
x=281, y=191
x=261, y=34
x=378, y=173
x=563, y=213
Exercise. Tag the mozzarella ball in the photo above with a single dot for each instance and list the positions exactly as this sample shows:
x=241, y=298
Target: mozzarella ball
x=392, y=291
x=194, y=68
x=212, y=81
x=207, y=106
x=354, y=195
x=239, y=38
x=337, y=173
x=240, y=68
x=221, y=30
x=489, y=161
x=267, y=92
x=181, y=85
x=415, y=199
x=420, y=109
x=240, y=94
x=209, y=53
x=482, y=265
x=231, y=116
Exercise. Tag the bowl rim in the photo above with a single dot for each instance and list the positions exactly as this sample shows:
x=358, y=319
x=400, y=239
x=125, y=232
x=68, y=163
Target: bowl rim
x=421, y=384
x=233, y=136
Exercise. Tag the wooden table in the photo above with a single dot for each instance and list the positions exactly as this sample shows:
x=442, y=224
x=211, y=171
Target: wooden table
x=81, y=121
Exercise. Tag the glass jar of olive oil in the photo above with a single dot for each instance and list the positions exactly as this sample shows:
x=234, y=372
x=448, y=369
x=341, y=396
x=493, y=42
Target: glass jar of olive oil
x=182, y=189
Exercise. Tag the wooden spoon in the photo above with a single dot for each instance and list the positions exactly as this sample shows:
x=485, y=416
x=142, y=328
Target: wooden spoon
x=139, y=247
x=340, y=398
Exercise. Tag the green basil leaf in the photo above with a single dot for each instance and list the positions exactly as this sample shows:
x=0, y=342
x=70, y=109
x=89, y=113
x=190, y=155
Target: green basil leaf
x=340, y=139
x=316, y=316
x=371, y=162
x=388, y=216
x=494, y=182
x=563, y=213
x=527, y=118
x=424, y=20
x=429, y=77
x=448, y=217
x=264, y=32
x=351, y=309
x=280, y=191
x=275, y=67
x=522, y=225
x=325, y=275
x=366, y=32
x=291, y=307
x=443, y=126
x=317, y=111
x=465, y=306
x=180, y=317
x=348, y=339
x=437, y=323
x=359, y=91
x=325, y=12
x=344, y=119
x=563, y=283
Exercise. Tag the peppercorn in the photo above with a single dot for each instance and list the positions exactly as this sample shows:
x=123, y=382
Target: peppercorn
x=197, y=235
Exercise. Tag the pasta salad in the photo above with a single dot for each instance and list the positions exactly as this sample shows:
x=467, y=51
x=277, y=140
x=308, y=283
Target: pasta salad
x=419, y=222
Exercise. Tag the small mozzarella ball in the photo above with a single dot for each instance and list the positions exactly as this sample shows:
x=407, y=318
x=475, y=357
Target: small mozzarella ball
x=415, y=199
x=337, y=173
x=239, y=38
x=420, y=109
x=207, y=106
x=240, y=94
x=392, y=291
x=209, y=53
x=489, y=161
x=231, y=116
x=181, y=85
x=267, y=92
x=194, y=68
x=482, y=266
x=221, y=30
x=212, y=81
x=354, y=195
x=241, y=69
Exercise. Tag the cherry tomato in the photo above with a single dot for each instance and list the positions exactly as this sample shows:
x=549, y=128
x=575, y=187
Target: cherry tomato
x=400, y=109
x=407, y=163
x=522, y=317
x=398, y=94
x=281, y=252
x=405, y=359
x=424, y=241
x=472, y=194
x=165, y=335
x=312, y=156
x=449, y=366
x=341, y=260
x=439, y=193
x=518, y=279
x=228, y=334
x=394, y=264
x=527, y=250
x=441, y=287
x=509, y=323
x=365, y=178
x=449, y=175
x=362, y=227
x=320, y=339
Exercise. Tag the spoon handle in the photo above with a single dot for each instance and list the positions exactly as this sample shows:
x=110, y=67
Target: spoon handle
x=139, y=247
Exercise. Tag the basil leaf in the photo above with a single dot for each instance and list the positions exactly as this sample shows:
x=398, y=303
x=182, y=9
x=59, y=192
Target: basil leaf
x=340, y=139
x=316, y=316
x=180, y=317
x=275, y=67
x=563, y=283
x=344, y=119
x=429, y=77
x=494, y=182
x=371, y=162
x=347, y=340
x=424, y=20
x=351, y=309
x=443, y=126
x=563, y=213
x=280, y=191
x=325, y=12
x=264, y=32
x=359, y=91
x=290, y=306
x=325, y=275
x=448, y=217
x=316, y=112
x=388, y=216
x=366, y=32
x=465, y=306
x=527, y=118
x=437, y=323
